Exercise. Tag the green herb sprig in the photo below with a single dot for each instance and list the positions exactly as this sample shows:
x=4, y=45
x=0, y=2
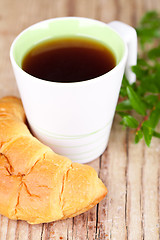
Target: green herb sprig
x=143, y=96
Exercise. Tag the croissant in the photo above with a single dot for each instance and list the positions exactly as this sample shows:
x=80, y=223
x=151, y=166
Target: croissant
x=36, y=184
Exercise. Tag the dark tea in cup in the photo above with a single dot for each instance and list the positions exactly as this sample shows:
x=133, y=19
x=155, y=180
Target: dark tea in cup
x=69, y=59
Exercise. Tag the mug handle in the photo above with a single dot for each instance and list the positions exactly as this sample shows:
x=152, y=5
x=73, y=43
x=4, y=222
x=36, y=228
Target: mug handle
x=129, y=35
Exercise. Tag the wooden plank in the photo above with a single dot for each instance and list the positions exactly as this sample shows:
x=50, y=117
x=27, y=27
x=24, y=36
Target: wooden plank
x=60, y=229
x=87, y=222
x=22, y=231
x=150, y=185
x=111, y=214
x=11, y=231
x=134, y=188
x=107, y=11
x=92, y=214
x=85, y=8
x=35, y=232
x=3, y=227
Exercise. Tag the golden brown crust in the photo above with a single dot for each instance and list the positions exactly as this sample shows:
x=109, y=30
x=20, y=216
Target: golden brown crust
x=36, y=184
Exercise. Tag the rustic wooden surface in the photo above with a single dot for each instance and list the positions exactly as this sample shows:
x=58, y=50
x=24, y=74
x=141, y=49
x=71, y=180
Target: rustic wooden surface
x=131, y=172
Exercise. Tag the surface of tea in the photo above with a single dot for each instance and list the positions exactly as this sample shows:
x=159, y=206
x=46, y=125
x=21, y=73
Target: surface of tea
x=71, y=59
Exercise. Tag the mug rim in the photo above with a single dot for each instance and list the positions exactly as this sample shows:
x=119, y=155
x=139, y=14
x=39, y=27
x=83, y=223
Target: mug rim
x=87, y=81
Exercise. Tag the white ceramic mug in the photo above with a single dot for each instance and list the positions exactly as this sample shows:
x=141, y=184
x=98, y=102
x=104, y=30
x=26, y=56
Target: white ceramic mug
x=74, y=119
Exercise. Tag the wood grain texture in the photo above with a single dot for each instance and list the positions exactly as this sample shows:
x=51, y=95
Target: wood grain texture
x=131, y=172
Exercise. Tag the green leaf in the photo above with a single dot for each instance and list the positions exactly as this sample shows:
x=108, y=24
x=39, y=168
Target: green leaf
x=149, y=29
x=148, y=133
x=122, y=114
x=154, y=53
x=158, y=105
x=154, y=118
x=125, y=83
x=149, y=16
x=130, y=121
x=156, y=78
x=136, y=101
x=156, y=134
x=143, y=96
x=138, y=136
x=149, y=86
x=142, y=62
x=151, y=100
x=140, y=73
x=125, y=105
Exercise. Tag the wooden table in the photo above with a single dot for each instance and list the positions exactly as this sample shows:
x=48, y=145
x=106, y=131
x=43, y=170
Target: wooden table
x=131, y=172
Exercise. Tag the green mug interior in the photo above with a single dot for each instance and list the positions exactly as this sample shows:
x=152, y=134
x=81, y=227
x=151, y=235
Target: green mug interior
x=67, y=26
